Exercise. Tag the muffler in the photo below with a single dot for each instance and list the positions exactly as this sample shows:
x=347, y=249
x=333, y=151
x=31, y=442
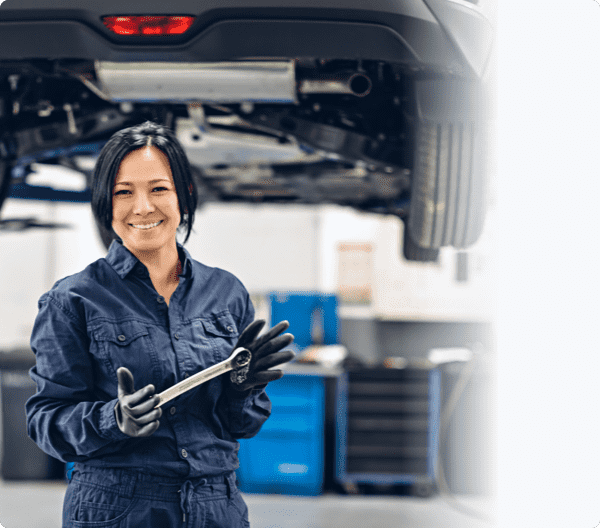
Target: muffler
x=218, y=82
x=347, y=82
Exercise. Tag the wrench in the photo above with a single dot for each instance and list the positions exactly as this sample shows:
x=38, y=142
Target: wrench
x=239, y=359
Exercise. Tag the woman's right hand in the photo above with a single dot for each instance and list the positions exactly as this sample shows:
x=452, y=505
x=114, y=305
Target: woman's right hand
x=136, y=412
x=266, y=353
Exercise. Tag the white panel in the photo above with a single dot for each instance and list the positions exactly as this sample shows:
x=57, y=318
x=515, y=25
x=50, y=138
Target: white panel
x=24, y=271
x=32, y=261
x=79, y=246
x=268, y=247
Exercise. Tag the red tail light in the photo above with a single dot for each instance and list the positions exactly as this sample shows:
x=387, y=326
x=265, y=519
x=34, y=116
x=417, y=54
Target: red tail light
x=148, y=25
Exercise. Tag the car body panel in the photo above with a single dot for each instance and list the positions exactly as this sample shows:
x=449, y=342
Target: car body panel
x=230, y=30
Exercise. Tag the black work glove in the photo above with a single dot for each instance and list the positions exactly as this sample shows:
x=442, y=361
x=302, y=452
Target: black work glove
x=135, y=412
x=266, y=353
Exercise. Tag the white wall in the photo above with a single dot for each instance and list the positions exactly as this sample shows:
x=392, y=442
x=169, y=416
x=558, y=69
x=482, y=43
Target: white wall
x=269, y=247
x=31, y=261
x=404, y=290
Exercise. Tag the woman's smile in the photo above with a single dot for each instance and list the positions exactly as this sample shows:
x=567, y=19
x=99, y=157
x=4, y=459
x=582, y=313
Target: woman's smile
x=146, y=226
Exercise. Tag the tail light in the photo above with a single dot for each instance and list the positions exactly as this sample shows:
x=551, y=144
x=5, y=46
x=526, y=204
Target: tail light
x=148, y=25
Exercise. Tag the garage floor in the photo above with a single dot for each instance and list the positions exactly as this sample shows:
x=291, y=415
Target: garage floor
x=39, y=504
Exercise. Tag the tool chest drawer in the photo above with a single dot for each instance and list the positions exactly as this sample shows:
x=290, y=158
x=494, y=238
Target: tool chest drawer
x=387, y=427
x=287, y=455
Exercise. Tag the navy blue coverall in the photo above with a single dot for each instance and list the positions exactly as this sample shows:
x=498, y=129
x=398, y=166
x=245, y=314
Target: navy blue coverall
x=110, y=315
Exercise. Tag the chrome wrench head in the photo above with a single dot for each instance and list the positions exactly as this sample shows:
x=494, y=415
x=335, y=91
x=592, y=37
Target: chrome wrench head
x=239, y=374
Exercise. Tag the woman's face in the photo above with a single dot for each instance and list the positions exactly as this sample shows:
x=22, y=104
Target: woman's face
x=145, y=206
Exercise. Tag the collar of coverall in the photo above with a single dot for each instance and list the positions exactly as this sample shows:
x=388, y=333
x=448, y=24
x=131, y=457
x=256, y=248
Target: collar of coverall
x=123, y=261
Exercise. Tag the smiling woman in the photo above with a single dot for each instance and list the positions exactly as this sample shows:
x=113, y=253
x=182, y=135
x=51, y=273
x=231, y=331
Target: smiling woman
x=149, y=200
x=146, y=317
x=146, y=215
x=146, y=151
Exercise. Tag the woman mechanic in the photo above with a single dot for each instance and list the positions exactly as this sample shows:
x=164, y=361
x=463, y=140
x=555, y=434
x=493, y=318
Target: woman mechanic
x=109, y=339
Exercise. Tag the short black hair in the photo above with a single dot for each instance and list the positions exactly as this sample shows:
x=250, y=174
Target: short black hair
x=133, y=138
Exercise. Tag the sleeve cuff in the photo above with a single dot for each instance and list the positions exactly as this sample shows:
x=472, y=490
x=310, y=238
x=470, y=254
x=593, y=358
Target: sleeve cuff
x=108, y=422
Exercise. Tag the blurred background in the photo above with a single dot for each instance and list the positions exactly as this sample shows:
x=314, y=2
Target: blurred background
x=389, y=397
x=457, y=393
x=344, y=186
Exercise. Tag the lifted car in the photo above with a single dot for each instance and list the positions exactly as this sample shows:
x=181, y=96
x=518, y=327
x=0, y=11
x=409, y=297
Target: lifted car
x=376, y=105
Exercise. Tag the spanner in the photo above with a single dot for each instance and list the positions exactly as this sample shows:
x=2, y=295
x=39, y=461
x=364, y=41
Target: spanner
x=239, y=359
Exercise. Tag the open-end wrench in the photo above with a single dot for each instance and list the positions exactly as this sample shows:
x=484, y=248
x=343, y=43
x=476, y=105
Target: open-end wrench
x=239, y=359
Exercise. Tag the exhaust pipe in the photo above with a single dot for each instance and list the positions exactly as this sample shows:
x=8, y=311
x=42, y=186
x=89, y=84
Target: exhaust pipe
x=353, y=83
x=220, y=82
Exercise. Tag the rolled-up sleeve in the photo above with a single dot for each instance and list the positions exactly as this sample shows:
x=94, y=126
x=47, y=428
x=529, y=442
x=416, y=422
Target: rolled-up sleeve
x=65, y=417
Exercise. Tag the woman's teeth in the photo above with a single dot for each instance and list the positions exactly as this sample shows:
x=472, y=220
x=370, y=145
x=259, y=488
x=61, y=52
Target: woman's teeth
x=147, y=226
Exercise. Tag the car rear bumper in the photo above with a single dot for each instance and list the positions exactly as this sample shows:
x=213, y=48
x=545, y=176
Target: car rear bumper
x=402, y=32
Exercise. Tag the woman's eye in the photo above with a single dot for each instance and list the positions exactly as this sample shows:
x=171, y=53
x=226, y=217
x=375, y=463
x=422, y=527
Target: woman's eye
x=160, y=189
x=121, y=191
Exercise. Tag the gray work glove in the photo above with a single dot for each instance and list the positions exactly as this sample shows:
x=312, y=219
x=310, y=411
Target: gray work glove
x=135, y=412
x=266, y=353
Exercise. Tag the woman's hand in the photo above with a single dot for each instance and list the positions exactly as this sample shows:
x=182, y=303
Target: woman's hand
x=136, y=413
x=266, y=353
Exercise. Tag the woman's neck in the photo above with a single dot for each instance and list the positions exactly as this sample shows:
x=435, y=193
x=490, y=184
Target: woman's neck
x=163, y=265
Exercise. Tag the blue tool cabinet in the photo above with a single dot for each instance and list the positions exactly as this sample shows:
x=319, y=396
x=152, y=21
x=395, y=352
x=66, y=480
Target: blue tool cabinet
x=286, y=456
x=387, y=428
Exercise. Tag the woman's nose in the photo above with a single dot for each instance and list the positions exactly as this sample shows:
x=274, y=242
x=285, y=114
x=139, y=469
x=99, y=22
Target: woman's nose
x=142, y=204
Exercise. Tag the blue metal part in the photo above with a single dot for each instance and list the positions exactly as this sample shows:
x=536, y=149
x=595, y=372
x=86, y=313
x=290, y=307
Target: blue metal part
x=287, y=455
x=23, y=191
x=83, y=149
x=312, y=316
x=69, y=467
x=341, y=428
x=435, y=384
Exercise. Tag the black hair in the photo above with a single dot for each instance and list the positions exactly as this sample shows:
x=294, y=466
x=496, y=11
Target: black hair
x=133, y=138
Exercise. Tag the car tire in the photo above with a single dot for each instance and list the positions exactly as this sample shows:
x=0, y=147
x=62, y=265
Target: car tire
x=447, y=205
x=5, y=179
x=413, y=252
x=447, y=199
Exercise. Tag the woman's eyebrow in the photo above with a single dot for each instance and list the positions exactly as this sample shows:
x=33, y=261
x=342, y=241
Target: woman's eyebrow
x=150, y=182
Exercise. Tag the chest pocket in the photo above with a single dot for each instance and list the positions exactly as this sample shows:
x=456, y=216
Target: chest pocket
x=222, y=333
x=127, y=344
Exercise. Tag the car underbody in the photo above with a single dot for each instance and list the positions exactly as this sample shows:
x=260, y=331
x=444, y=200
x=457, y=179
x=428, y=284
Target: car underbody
x=397, y=137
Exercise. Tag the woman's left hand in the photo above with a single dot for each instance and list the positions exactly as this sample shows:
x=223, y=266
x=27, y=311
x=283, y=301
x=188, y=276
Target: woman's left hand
x=266, y=353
